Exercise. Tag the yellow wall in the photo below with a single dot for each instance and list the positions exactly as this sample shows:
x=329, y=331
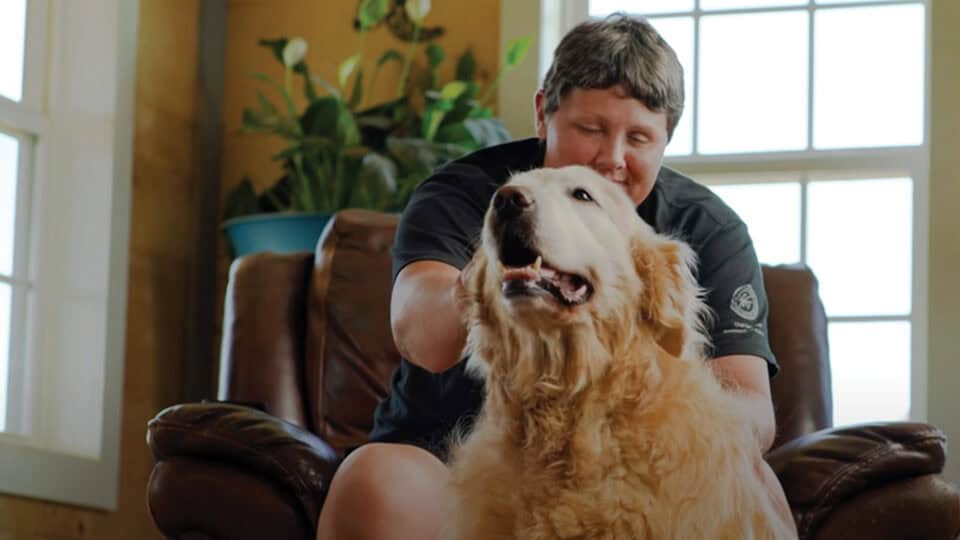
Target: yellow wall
x=163, y=230
x=327, y=25
x=164, y=215
x=328, y=28
x=943, y=313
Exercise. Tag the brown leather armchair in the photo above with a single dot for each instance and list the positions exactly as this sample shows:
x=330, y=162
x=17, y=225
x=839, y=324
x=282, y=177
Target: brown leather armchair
x=307, y=340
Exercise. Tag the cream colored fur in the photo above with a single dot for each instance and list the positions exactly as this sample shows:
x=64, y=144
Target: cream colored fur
x=601, y=421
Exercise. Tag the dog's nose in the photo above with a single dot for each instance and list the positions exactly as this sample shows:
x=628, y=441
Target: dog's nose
x=510, y=201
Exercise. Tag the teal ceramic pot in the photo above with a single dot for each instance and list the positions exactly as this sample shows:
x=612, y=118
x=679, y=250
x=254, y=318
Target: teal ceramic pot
x=284, y=232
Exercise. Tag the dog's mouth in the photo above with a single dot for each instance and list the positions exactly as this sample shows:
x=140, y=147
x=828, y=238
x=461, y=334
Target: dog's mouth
x=525, y=272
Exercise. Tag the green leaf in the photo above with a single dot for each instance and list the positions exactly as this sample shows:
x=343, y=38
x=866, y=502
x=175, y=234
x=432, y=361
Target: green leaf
x=251, y=121
x=357, y=94
x=308, y=90
x=346, y=68
x=456, y=134
x=476, y=133
x=390, y=54
x=377, y=177
x=291, y=108
x=435, y=55
x=430, y=122
x=331, y=89
x=463, y=105
x=329, y=117
x=241, y=201
x=419, y=157
x=487, y=131
x=452, y=90
x=371, y=12
x=517, y=50
x=466, y=67
x=320, y=118
x=481, y=112
x=348, y=134
x=265, y=105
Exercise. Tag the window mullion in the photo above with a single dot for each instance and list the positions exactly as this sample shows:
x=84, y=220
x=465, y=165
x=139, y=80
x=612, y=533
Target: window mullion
x=695, y=119
x=811, y=58
x=24, y=210
x=804, y=184
x=16, y=406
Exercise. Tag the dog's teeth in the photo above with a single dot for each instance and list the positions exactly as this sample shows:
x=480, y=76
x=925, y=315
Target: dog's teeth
x=537, y=263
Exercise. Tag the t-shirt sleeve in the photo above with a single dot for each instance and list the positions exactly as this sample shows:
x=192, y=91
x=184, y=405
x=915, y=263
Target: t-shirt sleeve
x=731, y=275
x=443, y=220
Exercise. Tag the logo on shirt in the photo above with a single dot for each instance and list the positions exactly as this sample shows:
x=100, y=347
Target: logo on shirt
x=744, y=302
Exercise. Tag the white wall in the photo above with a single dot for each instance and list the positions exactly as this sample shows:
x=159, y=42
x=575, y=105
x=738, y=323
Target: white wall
x=943, y=311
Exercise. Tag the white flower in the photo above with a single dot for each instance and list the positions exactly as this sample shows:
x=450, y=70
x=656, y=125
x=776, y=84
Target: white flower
x=294, y=51
x=417, y=9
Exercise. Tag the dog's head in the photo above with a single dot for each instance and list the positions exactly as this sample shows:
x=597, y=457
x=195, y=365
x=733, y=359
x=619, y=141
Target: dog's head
x=567, y=263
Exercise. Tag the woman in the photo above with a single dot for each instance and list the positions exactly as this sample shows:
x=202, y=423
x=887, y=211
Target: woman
x=611, y=100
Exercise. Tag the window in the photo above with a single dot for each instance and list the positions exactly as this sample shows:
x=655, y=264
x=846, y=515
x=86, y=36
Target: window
x=22, y=123
x=807, y=118
x=66, y=123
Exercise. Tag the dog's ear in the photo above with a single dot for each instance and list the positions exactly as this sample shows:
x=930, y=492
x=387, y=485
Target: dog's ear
x=671, y=299
x=470, y=284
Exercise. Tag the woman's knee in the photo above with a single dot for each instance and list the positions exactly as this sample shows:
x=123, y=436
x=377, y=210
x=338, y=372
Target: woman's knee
x=378, y=487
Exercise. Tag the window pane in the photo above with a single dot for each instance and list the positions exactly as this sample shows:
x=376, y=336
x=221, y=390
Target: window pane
x=9, y=148
x=772, y=215
x=869, y=77
x=852, y=1
x=753, y=82
x=13, y=23
x=870, y=368
x=5, y=306
x=860, y=236
x=600, y=8
x=739, y=4
x=678, y=31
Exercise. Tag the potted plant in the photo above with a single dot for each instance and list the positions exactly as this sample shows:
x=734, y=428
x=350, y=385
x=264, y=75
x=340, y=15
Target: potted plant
x=338, y=156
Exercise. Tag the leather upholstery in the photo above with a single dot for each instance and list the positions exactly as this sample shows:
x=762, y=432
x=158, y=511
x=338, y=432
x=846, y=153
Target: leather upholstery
x=350, y=350
x=261, y=354
x=308, y=337
x=797, y=324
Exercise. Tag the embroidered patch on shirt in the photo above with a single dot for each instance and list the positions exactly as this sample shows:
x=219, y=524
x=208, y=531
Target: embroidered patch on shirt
x=744, y=302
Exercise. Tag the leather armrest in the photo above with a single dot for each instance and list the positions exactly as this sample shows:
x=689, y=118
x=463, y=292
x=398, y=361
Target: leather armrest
x=821, y=470
x=287, y=455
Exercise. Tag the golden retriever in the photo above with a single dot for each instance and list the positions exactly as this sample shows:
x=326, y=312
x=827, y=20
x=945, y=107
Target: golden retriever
x=601, y=418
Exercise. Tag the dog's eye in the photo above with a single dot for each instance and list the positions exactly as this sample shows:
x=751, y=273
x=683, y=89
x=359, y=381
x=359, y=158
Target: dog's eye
x=581, y=195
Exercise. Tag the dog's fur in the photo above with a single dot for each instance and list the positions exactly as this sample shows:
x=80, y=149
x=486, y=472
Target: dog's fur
x=601, y=420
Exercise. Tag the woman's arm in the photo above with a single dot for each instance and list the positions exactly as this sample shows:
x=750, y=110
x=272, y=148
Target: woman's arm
x=746, y=377
x=425, y=317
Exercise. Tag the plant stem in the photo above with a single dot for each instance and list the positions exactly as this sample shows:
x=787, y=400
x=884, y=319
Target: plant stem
x=401, y=90
x=496, y=82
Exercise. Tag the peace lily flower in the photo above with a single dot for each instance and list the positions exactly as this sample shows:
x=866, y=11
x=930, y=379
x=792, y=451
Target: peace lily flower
x=417, y=9
x=294, y=52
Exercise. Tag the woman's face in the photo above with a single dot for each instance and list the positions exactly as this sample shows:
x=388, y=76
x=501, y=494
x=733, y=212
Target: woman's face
x=609, y=131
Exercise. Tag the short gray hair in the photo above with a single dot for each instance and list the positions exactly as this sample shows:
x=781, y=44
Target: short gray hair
x=617, y=50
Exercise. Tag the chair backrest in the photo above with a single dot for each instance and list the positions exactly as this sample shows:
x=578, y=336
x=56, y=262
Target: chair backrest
x=797, y=323
x=349, y=355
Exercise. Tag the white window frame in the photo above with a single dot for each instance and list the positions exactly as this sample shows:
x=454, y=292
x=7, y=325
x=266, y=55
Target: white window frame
x=26, y=121
x=900, y=161
x=79, y=111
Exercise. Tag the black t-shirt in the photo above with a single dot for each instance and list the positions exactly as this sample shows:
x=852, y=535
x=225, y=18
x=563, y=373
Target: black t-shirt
x=443, y=222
